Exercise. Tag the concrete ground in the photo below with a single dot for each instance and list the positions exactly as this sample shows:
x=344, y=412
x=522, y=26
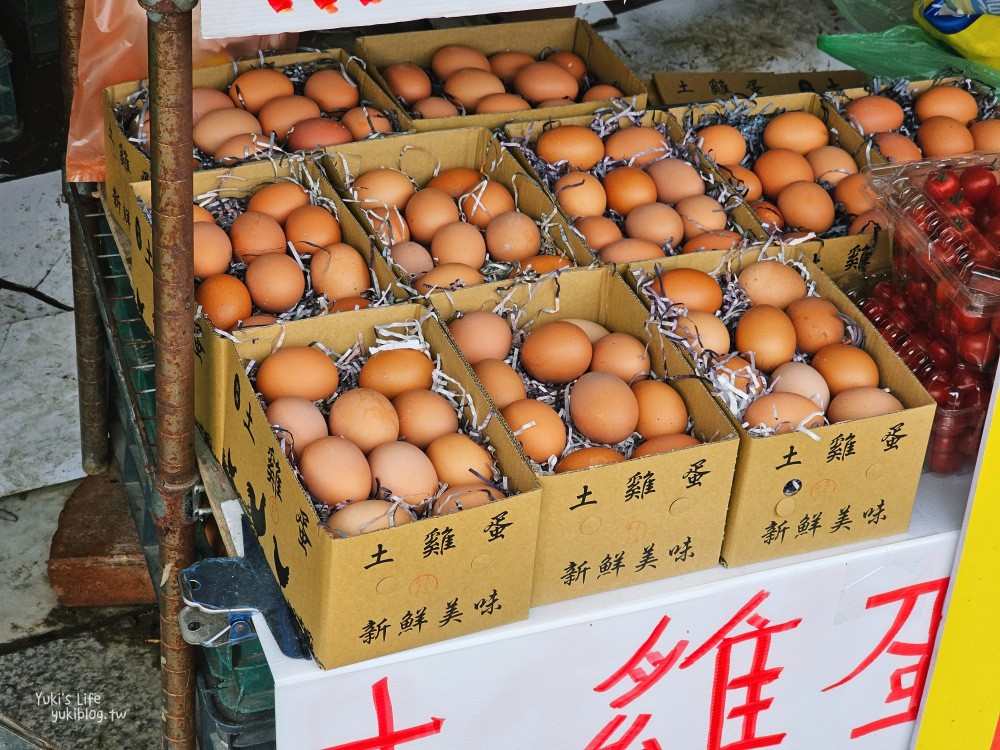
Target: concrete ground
x=110, y=656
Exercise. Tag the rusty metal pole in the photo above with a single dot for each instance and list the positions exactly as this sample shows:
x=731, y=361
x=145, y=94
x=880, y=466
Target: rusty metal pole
x=91, y=367
x=173, y=316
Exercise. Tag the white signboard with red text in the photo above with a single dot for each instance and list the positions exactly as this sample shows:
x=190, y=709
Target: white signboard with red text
x=226, y=18
x=816, y=651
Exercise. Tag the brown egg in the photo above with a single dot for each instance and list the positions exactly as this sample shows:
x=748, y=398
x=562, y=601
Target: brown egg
x=690, y=287
x=447, y=276
x=434, y=107
x=241, y=146
x=675, y=179
x=502, y=102
x=745, y=181
x=874, y=114
x=310, y=228
x=539, y=264
x=317, y=132
x=639, y=145
x=867, y=223
x=897, y=148
x=703, y=331
x=587, y=458
x=621, y=355
x=481, y=334
x=205, y=100
x=600, y=92
x=664, y=444
x=766, y=331
x=297, y=371
x=577, y=145
x=382, y=187
x=464, y=497
x=423, y=416
x=844, y=366
x=200, y=214
x=412, y=258
x=806, y=205
x=364, y=122
x=571, y=61
x=254, y=234
x=743, y=376
x=346, y=304
x=556, y=352
x=458, y=242
x=852, y=193
x=831, y=164
x=545, y=80
x=940, y=137
x=488, y=200
x=338, y=271
x=392, y=371
x=389, y=225
x=628, y=187
x=861, y=403
x=217, y=127
x=458, y=459
x=598, y=231
x=275, y=282
x=365, y=516
x=332, y=90
x=817, y=323
x=365, y=417
x=407, y=81
x=542, y=440
x=580, y=194
x=299, y=420
x=500, y=380
x=279, y=115
x=768, y=215
x=404, y=471
x=721, y=239
x=335, y=471
x=631, y=250
x=506, y=64
x=701, y=213
x=468, y=85
x=255, y=88
x=723, y=143
x=779, y=167
x=771, y=282
x=454, y=57
x=946, y=101
x=278, y=199
x=603, y=408
x=260, y=319
x=800, y=378
x=456, y=181
x=986, y=135
x=783, y=413
x=799, y=131
x=428, y=211
x=662, y=411
x=212, y=249
x=513, y=236
x=656, y=222
x=224, y=299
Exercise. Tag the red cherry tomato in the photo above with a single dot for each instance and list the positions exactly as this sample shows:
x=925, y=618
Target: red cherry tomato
x=875, y=310
x=995, y=326
x=976, y=183
x=993, y=201
x=966, y=322
x=942, y=356
x=883, y=291
x=904, y=319
x=938, y=384
x=945, y=463
x=978, y=348
x=971, y=385
x=942, y=183
x=945, y=326
x=947, y=443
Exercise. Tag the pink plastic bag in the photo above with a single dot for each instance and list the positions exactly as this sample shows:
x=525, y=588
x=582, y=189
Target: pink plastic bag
x=113, y=49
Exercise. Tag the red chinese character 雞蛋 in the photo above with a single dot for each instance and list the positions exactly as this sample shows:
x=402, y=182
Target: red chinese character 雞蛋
x=388, y=736
x=280, y=5
x=915, y=672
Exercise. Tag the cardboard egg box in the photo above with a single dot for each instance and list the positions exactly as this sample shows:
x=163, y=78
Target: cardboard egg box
x=423, y=155
x=238, y=182
x=854, y=481
x=601, y=528
x=904, y=92
x=394, y=589
x=741, y=218
x=530, y=37
x=691, y=118
x=126, y=163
